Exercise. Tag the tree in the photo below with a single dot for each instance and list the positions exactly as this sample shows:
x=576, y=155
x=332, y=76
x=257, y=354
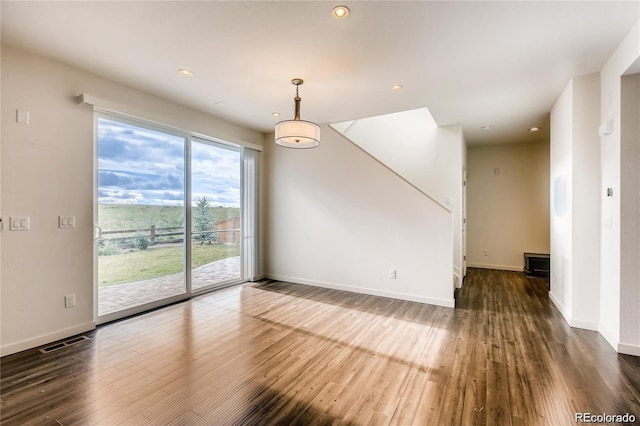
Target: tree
x=203, y=221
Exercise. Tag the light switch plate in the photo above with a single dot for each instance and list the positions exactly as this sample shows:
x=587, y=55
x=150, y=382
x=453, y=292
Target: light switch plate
x=20, y=223
x=65, y=222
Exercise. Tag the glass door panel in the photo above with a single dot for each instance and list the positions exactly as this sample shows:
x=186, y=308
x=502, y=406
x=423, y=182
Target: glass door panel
x=141, y=219
x=215, y=214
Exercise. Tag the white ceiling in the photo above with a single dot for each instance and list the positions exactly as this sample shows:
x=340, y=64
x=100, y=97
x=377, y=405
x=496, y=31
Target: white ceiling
x=476, y=63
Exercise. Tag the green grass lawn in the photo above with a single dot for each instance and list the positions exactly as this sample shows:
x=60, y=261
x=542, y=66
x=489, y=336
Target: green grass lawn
x=112, y=217
x=157, y=262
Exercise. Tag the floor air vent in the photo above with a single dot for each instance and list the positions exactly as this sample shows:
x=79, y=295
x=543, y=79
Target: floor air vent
x=64, y=344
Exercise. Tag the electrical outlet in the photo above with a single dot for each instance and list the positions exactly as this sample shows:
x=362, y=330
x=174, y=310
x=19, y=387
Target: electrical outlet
x=69, y=300
x=392, y=273
x=485, y=252
x=22, y=117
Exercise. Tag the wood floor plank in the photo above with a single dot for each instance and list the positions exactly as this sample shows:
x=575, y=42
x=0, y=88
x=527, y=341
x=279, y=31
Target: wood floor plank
x=281, y=353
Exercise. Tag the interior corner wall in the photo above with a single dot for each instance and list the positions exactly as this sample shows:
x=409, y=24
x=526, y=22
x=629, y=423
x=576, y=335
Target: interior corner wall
x=613, y=321
x=46, y=171
x=337, y=218
x=507, y=204
x=575, y=202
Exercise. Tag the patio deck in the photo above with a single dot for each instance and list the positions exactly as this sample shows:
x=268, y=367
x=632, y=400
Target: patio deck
x=122, y=296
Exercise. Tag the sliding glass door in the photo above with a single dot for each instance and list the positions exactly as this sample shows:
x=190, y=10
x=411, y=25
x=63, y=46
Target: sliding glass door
x=215, y=214
x=140, y=216
x=146, y=231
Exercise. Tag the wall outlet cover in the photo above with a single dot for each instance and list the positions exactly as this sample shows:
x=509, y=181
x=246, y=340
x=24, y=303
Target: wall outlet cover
x=69, y=300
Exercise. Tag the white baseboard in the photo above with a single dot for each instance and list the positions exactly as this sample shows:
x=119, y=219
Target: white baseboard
x=364, y=290
x=499, y=267
x=623, y=348
x=585, y=325
x=609, y=337
x=23, y=345
x=629, y=349
x=457, y=279
x=558, y=304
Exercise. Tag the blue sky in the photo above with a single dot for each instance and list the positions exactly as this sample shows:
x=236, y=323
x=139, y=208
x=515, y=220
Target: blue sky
x=140, y=166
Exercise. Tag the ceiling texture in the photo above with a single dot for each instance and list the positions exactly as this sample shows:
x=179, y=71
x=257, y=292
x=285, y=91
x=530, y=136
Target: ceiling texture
x=499, y=64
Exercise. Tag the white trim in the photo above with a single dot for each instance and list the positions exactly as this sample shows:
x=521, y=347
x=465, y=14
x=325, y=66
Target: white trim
x=498, y=267
x=457, y=279
x=364, y=290
x=258, y=277
x=609, y=337
x=629, y=349
x=249, y=208
x=46, y=338
x=558, y=304
x=573, y=323
x=187, y=272
x=585, y=325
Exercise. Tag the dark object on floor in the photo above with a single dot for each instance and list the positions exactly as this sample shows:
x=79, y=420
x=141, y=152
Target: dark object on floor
x=536, y=265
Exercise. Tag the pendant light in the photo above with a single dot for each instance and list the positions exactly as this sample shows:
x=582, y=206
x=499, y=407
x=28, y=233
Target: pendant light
x=297, y=133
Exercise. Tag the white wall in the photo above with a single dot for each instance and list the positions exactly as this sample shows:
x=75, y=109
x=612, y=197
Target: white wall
x=630, y=214
x=507, y=213
x=585, y=197
x=561, y=203
x=337, y=218
x=614, y=322
x=575, y=236
x=429, y=157
x=47, y=170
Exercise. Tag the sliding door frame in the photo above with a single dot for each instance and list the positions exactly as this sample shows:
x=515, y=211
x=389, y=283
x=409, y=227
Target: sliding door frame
x=240, y=150
x=189, y=138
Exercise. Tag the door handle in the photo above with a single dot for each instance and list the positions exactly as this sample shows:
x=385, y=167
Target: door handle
x=97, y=234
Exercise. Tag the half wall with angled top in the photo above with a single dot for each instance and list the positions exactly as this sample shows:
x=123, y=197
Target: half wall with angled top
x=337, y=218
x=429, y=157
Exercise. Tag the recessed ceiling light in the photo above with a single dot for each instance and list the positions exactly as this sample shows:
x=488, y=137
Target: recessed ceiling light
x=535, y=129
x=186, y=72
x=219, y=103
x=275, y=114
x=397, y=87
x=340, y=12
x=486, y=127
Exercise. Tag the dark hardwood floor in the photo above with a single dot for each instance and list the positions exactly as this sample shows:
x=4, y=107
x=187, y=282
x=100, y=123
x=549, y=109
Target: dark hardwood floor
x=278, y=353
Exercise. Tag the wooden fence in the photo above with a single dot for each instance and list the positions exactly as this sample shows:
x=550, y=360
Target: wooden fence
x=228, y=230
x=225, y=231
